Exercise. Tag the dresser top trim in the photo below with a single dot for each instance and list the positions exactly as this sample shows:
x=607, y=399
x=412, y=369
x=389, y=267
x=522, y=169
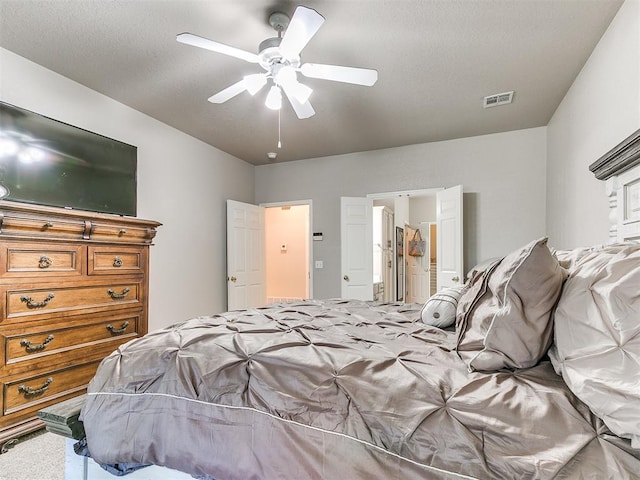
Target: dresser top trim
x=34, y=222
x=72, y=214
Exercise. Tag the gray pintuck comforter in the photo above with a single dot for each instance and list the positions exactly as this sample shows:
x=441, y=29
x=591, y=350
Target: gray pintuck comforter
x=339, y=390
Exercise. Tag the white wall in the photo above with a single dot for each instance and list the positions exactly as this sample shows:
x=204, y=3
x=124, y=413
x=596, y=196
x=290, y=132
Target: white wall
x=601, y=109
x=182, y=182
x=504, y=190
x=422, y=209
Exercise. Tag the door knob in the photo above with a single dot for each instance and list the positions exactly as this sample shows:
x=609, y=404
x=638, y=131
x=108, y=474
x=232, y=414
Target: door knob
x=346, y=277
x=455, y=279
x=233, y=279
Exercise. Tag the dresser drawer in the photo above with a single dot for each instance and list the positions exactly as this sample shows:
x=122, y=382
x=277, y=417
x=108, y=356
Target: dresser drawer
x=42, y=226
x=55, y=343
x=22, y=260
x=116, y=260
x=41, y=301
x=104, y=232
x=29, y=392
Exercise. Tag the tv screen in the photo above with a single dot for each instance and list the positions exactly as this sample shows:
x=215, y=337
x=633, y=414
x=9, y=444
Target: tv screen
x=48, y=162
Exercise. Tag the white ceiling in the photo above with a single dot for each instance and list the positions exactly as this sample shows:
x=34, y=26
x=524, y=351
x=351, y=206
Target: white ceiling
x=436, y=60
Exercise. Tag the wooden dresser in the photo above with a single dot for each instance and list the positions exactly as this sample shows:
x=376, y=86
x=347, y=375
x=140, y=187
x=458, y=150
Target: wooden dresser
x=73, y=286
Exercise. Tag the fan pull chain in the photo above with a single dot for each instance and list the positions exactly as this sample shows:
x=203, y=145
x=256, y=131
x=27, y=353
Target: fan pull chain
x=279, y=142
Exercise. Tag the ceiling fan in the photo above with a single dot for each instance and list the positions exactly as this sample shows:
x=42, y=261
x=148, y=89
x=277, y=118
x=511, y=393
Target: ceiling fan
x=280, y=58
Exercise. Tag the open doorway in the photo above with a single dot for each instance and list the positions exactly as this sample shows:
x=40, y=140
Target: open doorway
x=268, y=260
x=357, y=241
x=412, y=215
x=287, y=252
x=420, y=261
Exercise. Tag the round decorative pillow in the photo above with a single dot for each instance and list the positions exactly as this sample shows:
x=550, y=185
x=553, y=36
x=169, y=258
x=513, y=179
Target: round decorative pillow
x=597, y=336
x=440, y=310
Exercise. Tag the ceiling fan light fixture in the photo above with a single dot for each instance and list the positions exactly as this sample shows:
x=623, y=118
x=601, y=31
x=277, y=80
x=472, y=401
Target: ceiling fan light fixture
x=274, y=98
x=286, y=77
x=283, y=74
x=254, y=83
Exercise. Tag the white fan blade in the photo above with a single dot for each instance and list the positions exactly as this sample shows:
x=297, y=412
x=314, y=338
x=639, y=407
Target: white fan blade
x=254, y=82
x=196, y=41
x=303, y=26
x=303, y=110
x=229, y=92
x=357, y=76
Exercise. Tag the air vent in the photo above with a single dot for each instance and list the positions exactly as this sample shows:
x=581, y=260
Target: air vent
x=497, y=99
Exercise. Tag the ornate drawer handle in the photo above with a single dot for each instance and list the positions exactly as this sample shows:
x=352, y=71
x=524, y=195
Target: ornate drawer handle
x=117, y=262
x=31, y=304
x=118, y=331
x=8, y=444
x=118, y=296
x=45, y=262
x=46, y=225
x=122, y=232
x=30, y=392
x=32, y=347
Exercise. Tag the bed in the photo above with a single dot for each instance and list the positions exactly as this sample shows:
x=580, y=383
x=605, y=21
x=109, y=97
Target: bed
x=536, y=377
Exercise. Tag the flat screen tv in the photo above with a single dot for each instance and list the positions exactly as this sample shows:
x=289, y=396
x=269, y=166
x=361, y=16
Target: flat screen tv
x=48, y=162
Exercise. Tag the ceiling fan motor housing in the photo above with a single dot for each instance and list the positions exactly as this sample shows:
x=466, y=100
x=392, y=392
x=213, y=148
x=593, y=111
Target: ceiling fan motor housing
x=269, y=54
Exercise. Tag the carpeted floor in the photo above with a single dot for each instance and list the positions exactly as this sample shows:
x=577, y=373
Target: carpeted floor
x=37, y=456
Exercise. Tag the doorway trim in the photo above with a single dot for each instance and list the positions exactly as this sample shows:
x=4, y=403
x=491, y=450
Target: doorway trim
x=294, y=203
x=423, y=192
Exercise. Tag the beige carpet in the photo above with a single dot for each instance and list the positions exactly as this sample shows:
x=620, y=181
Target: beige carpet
x=37, y=456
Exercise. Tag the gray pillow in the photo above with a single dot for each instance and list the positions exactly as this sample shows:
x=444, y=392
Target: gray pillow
x=597, y=336
x=481, y=267
x=504, y=318
x=440, y=310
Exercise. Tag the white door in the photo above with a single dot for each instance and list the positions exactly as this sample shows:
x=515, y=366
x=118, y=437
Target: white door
x=245, y=256
x=449, y=237
x=356, y=231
